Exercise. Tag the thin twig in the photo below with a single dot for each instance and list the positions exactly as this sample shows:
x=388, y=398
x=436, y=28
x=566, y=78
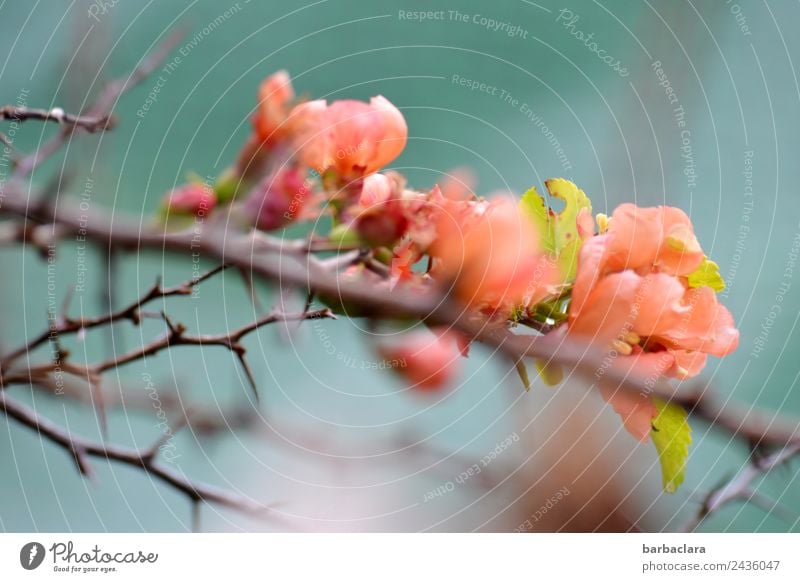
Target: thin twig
x=82, y=449
x=102, y=108
x=741, y=487
x=58, y=115
x=66, y=325
x=176, y=336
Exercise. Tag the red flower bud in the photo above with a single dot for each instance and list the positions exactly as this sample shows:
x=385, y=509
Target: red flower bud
x=279, y=199
x=274, y=96
x=190, y=199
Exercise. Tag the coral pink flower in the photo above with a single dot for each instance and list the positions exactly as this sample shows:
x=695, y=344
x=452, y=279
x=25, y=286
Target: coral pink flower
x=403, y=259
x=427, y=360
x=381, y=215
x=659, y=238
x=275, y=95
x=458, y=184
x=489, y=253
x=351, y=138
x=376, y=189
x=190, y=199
x=271, y=129
x=631, y=293
x=280, y=198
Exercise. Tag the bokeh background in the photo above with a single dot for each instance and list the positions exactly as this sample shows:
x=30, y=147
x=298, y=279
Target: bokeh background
x=339, y=448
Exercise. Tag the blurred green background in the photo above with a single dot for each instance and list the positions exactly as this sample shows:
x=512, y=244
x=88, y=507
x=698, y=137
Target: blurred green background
x=337, y=447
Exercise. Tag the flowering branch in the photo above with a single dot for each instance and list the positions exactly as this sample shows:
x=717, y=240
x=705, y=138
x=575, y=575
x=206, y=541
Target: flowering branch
x=628, y=301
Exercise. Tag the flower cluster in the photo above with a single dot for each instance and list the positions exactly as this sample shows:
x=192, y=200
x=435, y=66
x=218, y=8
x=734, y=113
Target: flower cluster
x=636, y=284
x=645, y=289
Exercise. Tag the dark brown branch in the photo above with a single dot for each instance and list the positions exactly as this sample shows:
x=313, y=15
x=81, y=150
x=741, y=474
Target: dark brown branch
x=758, y=428
x=742, y=487
x=82, y=449
x=202, y=422
x=289, y=264
x=102, y=108
x=66, y=325
x=58, y=115
x=175, y=336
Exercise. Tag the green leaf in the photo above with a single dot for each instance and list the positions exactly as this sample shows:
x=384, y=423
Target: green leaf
x=227, y=185
x=551, y=374
x=523, y=374
x=707, y=275
x=534, y=206
x=559, y=231
x=568, y=260
x=343, y=234
x=575, y=200
x=672, y=436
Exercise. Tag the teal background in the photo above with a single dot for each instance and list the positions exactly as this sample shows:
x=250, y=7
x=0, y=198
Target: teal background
x=326, y=442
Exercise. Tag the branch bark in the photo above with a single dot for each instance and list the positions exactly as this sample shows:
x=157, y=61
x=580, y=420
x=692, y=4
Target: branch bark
x=82, y=449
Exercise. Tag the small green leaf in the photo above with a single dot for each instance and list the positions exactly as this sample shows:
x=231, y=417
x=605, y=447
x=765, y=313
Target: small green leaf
x=568, y=260
x=707, y=275
x=343, y=234
x=672, y=436
x=558, y=231
x=575, y=200
x=523, y=374
x=227, y=185
x=551, y=374
x=534, y=206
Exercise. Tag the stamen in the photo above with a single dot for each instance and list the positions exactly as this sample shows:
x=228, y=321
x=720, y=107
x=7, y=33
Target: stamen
x=602, y=222
x=621, y=347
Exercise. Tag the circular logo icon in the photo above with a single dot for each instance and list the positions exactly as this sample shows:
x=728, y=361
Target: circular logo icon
x=31, y=555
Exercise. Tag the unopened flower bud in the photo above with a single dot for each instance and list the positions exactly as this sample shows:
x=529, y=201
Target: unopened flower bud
x=279, y=199
x=192, y=199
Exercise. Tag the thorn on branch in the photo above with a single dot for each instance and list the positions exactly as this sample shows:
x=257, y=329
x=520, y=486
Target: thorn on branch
x=741, y=486
x=84, y=468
